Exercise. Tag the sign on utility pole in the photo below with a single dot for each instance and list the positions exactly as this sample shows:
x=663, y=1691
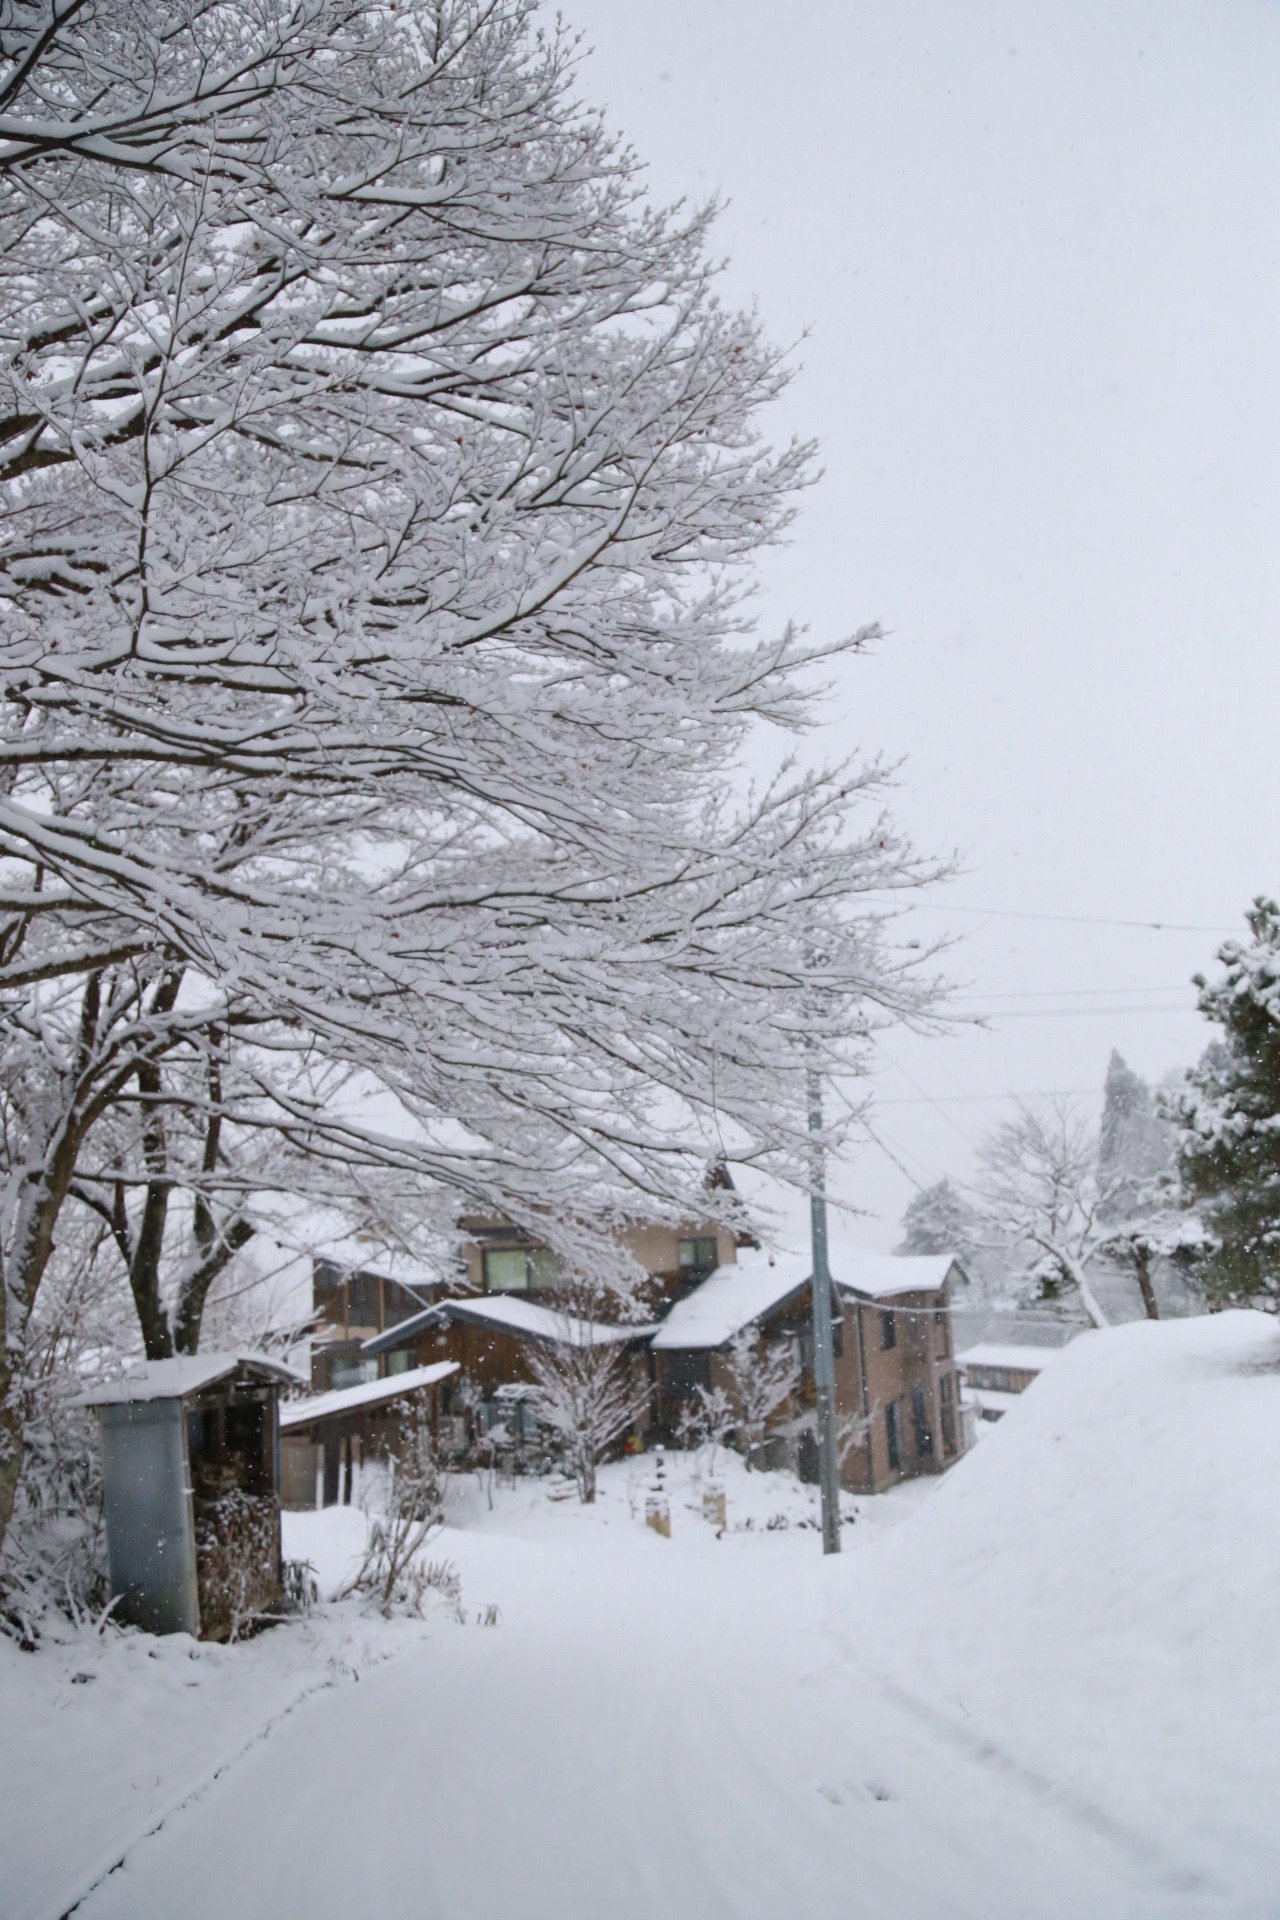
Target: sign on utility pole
x=824, y=1372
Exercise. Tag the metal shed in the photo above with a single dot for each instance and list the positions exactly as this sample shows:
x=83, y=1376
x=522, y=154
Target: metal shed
x=191, y=1487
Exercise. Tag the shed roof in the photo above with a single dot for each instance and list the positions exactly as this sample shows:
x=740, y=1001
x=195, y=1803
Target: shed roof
x=328, y=1406
x=990, y=1354
x=187, y=1374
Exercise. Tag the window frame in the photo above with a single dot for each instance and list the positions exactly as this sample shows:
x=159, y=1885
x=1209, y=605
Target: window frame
x=893, y=1434
x=707, y=1242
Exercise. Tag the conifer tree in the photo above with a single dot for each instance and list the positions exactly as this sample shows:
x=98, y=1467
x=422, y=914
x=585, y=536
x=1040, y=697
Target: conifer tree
x=938, y=1219
x=1229, y=1120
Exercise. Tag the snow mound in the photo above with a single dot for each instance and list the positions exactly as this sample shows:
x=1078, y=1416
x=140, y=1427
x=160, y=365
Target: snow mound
x=1095, y=1588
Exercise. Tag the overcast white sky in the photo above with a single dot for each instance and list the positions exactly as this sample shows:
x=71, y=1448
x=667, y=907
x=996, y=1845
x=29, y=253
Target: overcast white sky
x=1035, y=249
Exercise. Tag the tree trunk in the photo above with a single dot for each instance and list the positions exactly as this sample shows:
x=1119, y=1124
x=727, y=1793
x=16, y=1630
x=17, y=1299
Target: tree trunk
x=144, y=1268
x=1142, y=1267
x=1091, y=1303
x=1075, y=1270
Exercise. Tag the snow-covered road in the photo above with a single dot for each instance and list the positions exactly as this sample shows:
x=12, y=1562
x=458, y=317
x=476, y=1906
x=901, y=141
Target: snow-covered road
x=1044, y=1689
x=653, y=1728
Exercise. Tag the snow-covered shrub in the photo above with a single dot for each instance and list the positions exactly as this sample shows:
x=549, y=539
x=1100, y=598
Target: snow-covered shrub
x=54, y=1556
x=765, y=1378
x=408, y=1510
x=706, y=1421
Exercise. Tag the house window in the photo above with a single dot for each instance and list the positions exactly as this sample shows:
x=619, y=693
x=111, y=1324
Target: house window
x=893, y=1432
x=946, y=1394
x=362, y=1300
x=546, y=1269
x=698, y=1256
x=353, y=1373
x=506, y=1269
x=940, y=1334
x=400, y=1361
x=684, y=1373
x=920, y=1421
x=517, y=1269
x=888, y=1331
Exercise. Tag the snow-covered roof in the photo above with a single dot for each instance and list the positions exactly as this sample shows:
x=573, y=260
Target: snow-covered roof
x=878, y=1275
x=728, y=1300
x=989, y=1400
x=325, y=1406
x=759, y=1283
x=514, y=1315
x=404, y=1329
x=990, y=1354
x=188, y=1373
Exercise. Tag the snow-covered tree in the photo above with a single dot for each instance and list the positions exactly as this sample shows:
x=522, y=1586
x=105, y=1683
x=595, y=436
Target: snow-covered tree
x=706, y=1421
x=588, y=1392
x=1228, y=1121
x=381, y=477
x=938, y=1219
x=764, y=1376
x=1043, y=1198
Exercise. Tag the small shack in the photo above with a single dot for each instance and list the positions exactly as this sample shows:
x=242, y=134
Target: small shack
x=996, y=1374
x=327, y=1440
x=191, y=1479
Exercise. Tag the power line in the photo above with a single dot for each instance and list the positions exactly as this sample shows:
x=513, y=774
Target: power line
x=1081, y=993
x=1068, y=919
x=1010, y=1093
x=1066, y=1013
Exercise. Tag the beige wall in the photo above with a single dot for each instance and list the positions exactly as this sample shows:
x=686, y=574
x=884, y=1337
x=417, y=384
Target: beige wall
x=657, y=1248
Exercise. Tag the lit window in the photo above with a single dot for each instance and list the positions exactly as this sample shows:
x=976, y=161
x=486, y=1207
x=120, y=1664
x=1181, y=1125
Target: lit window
x=506, y=1269
x=518, y=1269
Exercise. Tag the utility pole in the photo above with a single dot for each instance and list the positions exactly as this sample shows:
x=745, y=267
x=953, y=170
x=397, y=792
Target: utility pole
x=824, y=1373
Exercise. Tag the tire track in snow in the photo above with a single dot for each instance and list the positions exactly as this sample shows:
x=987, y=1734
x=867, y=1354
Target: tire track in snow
x=119, y=1857
x=1174, y=1876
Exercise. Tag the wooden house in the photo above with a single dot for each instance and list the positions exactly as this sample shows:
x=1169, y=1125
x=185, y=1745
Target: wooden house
x=507, y=1299
x=896, y=1387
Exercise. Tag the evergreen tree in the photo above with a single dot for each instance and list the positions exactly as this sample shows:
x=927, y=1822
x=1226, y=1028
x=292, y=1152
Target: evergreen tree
x=938, y=1219
x=1228, y=1120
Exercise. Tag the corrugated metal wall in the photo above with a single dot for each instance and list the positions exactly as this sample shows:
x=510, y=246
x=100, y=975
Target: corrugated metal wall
x=150, y=1524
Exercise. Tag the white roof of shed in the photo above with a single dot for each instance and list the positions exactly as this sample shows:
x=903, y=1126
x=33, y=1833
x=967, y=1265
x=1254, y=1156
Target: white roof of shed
x=326, y=1406
x=989, y=1354
x=188, y=1373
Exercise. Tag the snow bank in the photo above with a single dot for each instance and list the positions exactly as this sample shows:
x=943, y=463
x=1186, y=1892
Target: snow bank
x=1095, y=1589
